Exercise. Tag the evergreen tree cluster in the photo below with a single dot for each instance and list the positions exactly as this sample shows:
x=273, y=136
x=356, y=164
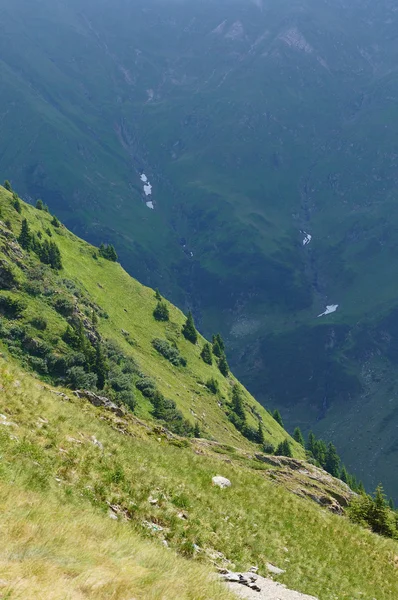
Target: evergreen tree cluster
x=189, y=330
x=218, y=348
x=375, y=513
x=326, y=456
x=108, y=251
x=47, y=251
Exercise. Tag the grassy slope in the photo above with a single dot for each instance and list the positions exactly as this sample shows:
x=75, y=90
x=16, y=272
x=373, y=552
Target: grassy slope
x=48, y=456
x=129, y=307
x=89, y=556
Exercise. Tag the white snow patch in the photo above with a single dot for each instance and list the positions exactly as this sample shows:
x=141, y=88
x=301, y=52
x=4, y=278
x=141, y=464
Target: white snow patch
x=150, y=205
x=307, y=239
x=144, y=178
x=148, y=189
x=329, y=309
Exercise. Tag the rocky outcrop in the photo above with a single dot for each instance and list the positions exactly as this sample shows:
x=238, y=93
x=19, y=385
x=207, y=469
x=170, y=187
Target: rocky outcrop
x=255, y=587
x=101, y=401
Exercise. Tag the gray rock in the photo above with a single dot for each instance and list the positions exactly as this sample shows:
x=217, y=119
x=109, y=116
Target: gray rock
x=221, y=482
x=275, y=570
x=100, y=401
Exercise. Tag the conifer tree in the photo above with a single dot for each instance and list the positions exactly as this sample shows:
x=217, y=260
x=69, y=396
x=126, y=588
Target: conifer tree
x=16, y=203
x=111, y=254
x=161, y=312
x=206, y=354
x=332, y=461
x=298, y=436
x=25, y=238
x=189, y=329
x=284, y=449
x=311, y=443
x=361, y=488
x=7, y=186
x=237, y=403
x=260, y=434
x=344, y=475
x=391, y=504
x=39, y=205
x=277, y=416
x=94, y=319
x=218, y=345
x=223, y=365
x=212, y=385
x=100, y=366
x=157, y=295
x=55, y=222
x=196, y=430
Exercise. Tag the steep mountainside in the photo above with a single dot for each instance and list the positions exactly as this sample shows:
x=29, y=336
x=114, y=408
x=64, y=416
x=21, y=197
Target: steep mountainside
x=242, y=156
x=90, y=325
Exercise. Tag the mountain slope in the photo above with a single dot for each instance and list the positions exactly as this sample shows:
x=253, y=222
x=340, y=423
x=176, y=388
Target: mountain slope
x=62, y=454
x=44, y=311
x=256, y=124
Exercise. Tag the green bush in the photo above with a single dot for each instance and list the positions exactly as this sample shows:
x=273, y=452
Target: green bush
x=170, y=352
x=10, y=307
x=77, y=378
x=213, y=385
x=161, y=312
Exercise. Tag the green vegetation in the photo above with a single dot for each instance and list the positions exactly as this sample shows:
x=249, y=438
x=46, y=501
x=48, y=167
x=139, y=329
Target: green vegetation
x=88, y=325
x=189, y=330
x=66, y=465
x=161, y=312
x=206, y=354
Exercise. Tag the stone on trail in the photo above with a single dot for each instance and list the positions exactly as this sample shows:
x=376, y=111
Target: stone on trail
x=221, y=482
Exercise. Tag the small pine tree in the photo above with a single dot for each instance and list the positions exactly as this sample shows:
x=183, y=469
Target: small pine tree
x=237, y=404
x=344, y=475
x=55, y=222
x=16, y=203
x=100, y=366
x=189, y=329
x=161, y=312
x=260, y=434
x=277, y=416
x=212, y=385
x=112, y=255
x=223, y=365
x=39, y=205
x=7, y=186
x=332, y=462
x=298, y=436
x=206, y=354
x=361, y=488
x=25, y=237
x=54, y=256
x=157, y=295
x=94, y=319
x=391, y=504
x=311, y=443
x=218, y=345
x=196, y=430
x=284, y=449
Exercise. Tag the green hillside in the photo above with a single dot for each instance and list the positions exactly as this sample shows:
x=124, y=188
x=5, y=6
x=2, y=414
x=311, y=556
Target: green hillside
x=66, y=467
x=127, y=471
x=56, y=321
